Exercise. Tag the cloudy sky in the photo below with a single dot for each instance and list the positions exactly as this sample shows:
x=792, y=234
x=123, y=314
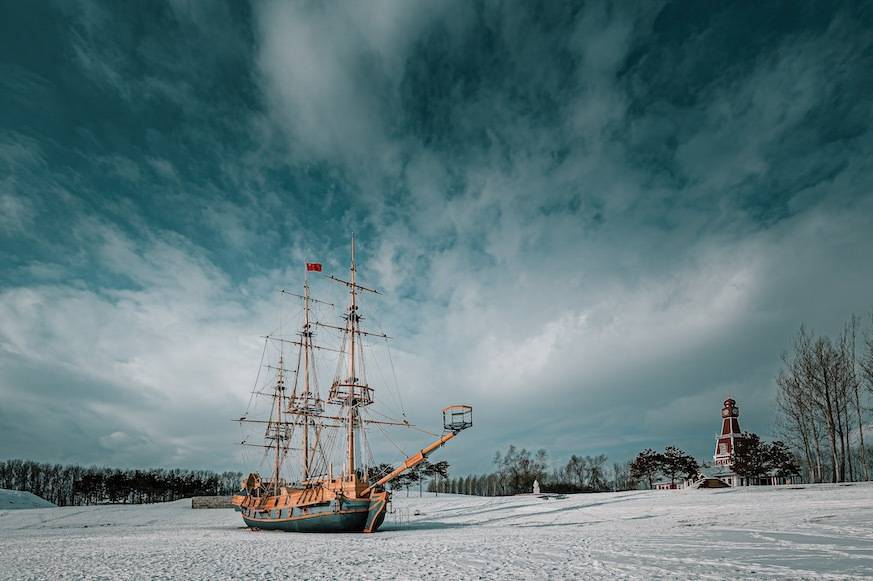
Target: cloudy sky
x=591, y=222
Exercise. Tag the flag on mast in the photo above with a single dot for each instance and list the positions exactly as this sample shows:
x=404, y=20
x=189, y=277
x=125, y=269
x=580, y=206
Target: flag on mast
x=313, y=267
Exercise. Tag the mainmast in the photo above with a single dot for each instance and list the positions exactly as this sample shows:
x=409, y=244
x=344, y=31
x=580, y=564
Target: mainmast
x=307, y=346
x=352, y=391
x=353, y=379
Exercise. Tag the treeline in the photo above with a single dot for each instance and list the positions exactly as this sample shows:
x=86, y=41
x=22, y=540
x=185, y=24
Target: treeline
x=824, y=396
x=751, y=458
x=516, y=470
x=78, y=485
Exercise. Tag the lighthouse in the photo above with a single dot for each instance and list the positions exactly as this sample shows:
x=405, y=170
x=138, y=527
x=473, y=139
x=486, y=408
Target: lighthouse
x=730, y=433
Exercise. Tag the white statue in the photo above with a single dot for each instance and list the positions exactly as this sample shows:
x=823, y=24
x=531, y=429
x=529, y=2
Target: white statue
x=536, y=486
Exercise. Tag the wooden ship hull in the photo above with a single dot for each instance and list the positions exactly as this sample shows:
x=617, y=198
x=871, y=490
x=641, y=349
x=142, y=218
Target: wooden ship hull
x=333, y=516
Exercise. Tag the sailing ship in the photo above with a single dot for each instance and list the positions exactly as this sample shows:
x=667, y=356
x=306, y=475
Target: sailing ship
x=306, y=432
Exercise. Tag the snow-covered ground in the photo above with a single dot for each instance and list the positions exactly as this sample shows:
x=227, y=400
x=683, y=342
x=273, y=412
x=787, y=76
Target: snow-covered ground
x=729, y=533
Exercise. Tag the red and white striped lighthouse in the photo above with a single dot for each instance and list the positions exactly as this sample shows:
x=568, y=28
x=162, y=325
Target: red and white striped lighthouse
x=730, y=433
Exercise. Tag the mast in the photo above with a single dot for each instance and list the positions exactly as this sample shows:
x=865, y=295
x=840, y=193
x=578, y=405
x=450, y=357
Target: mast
x=352, y=390
x=307, y=344
x=304, y=404
x=353, y=323
x=280, y=389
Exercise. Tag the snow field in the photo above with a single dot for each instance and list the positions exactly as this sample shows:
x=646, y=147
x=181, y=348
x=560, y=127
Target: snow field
x=815, y=532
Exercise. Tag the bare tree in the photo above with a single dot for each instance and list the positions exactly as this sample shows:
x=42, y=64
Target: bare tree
x=801, y=406
x=596, y=479
x=853, y=388
x=577, y=470
x=865, y=375
x=822, y=402
x=795, y=420
x=819, y=364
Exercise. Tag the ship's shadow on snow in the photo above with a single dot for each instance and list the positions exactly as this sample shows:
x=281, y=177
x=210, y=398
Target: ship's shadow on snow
x=423, y=525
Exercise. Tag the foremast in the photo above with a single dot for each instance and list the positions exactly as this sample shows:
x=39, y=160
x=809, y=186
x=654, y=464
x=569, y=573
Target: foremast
x=279, y=426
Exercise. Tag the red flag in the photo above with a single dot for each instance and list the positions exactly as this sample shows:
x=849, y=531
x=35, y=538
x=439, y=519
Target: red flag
x=313, y=266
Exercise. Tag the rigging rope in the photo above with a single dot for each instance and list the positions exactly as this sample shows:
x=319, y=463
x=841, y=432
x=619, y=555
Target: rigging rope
x=387, y=437
x=396, y=384
x=257, y=377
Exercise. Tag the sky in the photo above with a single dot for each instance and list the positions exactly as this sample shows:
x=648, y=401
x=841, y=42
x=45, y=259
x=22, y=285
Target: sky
x=591, y=221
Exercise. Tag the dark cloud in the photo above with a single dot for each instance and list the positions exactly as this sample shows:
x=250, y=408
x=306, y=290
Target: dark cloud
x=593, y=222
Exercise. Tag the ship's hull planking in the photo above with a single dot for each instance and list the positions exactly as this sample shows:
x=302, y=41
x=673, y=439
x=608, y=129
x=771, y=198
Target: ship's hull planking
x=349, y=517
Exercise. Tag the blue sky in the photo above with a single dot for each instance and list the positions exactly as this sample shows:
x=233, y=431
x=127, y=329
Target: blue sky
x=591, y=221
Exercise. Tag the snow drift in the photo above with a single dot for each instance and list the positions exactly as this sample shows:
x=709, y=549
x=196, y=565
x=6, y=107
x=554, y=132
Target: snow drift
x=15, y=499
